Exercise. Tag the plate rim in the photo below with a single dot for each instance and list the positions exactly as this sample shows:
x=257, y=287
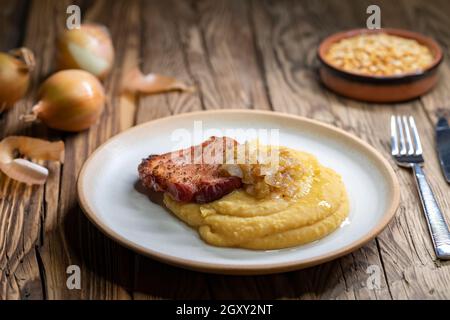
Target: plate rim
x=252, y=269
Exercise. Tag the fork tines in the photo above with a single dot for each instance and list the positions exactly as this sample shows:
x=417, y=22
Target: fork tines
x=405, y=140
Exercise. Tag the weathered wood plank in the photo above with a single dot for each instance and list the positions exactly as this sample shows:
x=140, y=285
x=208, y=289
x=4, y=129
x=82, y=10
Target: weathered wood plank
x=162, y=53
x=21, y=206
x=288, y=49
x=429, y=278
x=106, y=267
x=55, y=250
x=218, y=43
x=432, y=21
x=12, y=21
x=417, y=273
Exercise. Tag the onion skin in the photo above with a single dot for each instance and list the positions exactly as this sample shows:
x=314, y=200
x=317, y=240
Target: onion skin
x=135, y=81
x=70, y=100
x=88, y=48
x=22, y=169
x=14, y=77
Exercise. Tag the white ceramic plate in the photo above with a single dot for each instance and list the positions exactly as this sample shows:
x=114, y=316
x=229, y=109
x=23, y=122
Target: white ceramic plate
x=108, y=195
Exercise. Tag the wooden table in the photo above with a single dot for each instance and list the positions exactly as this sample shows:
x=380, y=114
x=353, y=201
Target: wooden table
x=240, y=54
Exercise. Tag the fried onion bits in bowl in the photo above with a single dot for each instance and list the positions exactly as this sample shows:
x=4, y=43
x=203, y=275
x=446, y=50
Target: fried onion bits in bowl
x=383, y=65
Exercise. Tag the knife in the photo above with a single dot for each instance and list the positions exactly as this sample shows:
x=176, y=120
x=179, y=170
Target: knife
x=443, y=146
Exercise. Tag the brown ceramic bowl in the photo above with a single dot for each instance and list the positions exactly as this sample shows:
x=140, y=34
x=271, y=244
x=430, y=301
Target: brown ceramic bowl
x=379, y=88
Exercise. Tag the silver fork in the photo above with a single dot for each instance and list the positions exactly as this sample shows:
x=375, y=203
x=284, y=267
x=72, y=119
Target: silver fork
x=406, y=149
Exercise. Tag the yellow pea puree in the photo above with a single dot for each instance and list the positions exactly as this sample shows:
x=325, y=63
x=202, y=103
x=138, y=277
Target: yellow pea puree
x=241, y=220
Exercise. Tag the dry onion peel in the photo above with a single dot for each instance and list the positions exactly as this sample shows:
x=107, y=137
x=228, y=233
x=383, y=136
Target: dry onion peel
x=24, y=170
x=136, y=82
x=15, y=69
x=26, y=56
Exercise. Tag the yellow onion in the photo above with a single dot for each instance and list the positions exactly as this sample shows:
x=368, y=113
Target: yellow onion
x=15, y=68
x=70, y=100
x=88, y=48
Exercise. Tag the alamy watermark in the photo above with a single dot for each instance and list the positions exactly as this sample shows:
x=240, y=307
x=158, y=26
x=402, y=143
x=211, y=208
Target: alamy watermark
x=373, y=282
x=233, y=145
x=374, y=20
x=73, y=21
x=73, y=281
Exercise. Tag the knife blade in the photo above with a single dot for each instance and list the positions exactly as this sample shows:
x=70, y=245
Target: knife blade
x=443, y=146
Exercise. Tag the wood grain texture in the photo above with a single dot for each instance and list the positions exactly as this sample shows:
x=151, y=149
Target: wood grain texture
x=370, y=122
x=21, y=208
x=238, y=54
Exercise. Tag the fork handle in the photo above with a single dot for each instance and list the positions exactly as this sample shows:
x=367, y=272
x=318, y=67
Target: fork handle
x=436, y=222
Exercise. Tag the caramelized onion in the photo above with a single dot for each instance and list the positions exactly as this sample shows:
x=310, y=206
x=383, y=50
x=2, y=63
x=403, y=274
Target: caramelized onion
x=287, y=178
